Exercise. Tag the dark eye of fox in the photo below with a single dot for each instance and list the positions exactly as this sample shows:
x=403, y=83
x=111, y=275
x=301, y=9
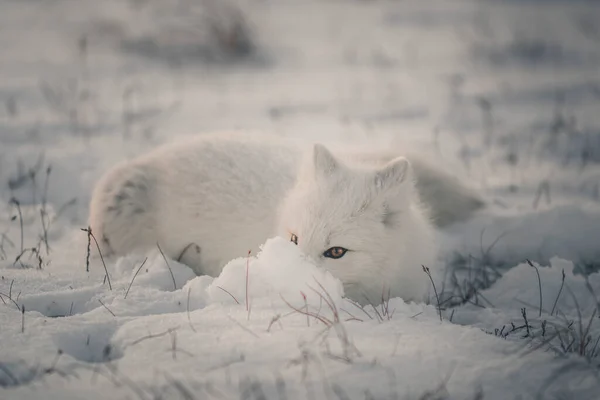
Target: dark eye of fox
x=335, y=252
x=294, y=239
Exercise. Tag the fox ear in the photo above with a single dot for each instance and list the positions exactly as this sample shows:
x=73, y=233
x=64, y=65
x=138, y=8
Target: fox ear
x=324, y=162
x=393, y=174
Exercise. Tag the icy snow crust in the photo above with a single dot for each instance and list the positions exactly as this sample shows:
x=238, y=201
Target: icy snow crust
x=503, y=94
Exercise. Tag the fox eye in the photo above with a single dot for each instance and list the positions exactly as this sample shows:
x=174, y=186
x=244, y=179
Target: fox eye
x=335, y=252
x=294, y=239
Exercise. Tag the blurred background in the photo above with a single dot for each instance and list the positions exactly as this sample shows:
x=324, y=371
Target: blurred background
x=505, y=94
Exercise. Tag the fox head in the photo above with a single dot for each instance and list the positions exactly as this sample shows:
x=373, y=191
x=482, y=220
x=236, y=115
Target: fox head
x=362, y=224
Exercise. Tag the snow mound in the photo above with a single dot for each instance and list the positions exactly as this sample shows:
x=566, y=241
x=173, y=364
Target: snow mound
x=562, y=290
x=279, y=271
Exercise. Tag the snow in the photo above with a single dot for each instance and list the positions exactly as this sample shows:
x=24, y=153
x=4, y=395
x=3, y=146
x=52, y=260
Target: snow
x=503, y=94
x=198, y=337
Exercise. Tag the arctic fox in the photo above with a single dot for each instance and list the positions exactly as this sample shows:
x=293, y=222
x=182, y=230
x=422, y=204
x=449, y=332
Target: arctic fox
x=211, y=199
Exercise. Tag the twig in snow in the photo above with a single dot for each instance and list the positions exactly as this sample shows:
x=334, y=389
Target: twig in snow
x=168, y=266
x=4, y=239
x=592, y=292
x=174, y=343
x=186, y=248
x=351, y=317
x=361, y=308
x=559, y=292
x=43, y=212
x=108, y=309
x=157, y=335
x=377, y=314
x=232, y=296
x=44, y=237
x=132, y=279
x=278, y=318
x=305, y=307
x=428, y=272
x=89, y=249
x=539, y=284
x=32, y=251
x=324, y=320
x=89, y=231
x=16, y=203
x=527, y=326
x=11, y=299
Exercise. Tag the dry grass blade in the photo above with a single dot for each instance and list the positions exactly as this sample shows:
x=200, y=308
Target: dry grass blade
x=157, y=335
x=437, y=297
x=90, y=233
x=136, y=273
x=559, y=292
x=168, y=266
x=11, y=299
x=584, y=338
x=232, y=296
x=539, y=284
x=324, y=320
x=89, y=248
x=579, y=317
x=592, y=292
x=361, y=308
x=186, y=248
x=108, y=309
x=18, y=205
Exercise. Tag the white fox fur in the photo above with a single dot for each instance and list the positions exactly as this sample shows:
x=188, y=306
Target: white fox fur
x=211, y=199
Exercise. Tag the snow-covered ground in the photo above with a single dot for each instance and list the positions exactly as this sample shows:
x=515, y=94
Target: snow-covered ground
x=505, y=94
